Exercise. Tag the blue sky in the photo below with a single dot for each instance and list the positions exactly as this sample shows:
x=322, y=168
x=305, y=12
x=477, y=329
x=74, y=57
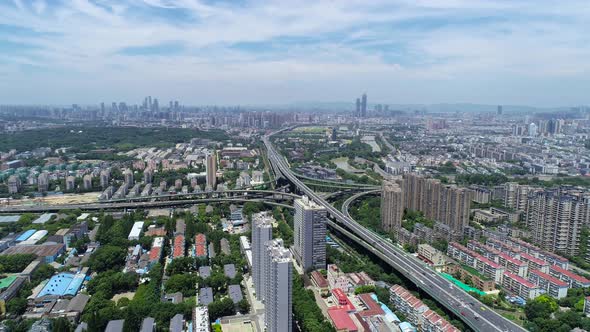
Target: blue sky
x=528, y=52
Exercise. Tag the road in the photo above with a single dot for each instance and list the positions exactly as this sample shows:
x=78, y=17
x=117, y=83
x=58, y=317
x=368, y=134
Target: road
x=454, y=299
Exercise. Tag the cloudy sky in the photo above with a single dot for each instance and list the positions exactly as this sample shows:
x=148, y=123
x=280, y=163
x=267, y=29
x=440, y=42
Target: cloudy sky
x=528, y=52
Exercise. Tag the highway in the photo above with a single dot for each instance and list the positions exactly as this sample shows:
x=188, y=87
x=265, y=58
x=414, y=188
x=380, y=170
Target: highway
x=454, y=299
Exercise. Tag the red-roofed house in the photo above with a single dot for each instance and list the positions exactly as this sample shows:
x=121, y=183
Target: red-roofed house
x=342, y=299
x=341, y=320
x=520, y=286
x=372, y=307
x=433, y=322
x=407, y=303
x=513, y=265
x=178, y=250
x=552, y=286
x=320, y=282
x=535, y=263
x=574, y=280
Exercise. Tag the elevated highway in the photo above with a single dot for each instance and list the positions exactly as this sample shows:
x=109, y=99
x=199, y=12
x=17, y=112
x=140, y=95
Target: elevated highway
x=474, y=313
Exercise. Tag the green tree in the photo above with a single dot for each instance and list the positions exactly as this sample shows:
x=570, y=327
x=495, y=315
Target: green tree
x=244, y=306
x=220, y=308
x=107, y=257
x=541, y=307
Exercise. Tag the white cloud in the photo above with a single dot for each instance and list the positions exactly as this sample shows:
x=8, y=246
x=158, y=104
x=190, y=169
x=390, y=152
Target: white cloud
x=333, y=46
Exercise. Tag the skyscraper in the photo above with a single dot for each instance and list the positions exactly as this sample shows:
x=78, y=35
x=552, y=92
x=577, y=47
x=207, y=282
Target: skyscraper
x=392, y=206
x=310, y=234
x=278, y=287
x=499, y=111
x=364, y=106
x=261, y=233
x=43, y=182
x=212, y=170
x=357, y=112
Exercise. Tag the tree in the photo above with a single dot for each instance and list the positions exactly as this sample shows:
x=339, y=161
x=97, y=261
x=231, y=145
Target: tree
x=364, y=289
x=61, y=324
x=540, y=307
x=15, y=263
x=184, y=283
x=244, y=306
x=44, y=271
x=17, y=306
x=107, y=257
x=220, y=308
x=181, y=265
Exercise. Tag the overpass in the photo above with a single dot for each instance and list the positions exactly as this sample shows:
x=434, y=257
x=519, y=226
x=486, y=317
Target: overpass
x=206, y=194
x=463, y=305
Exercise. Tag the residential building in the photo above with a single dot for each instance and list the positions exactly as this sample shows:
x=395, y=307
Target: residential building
x=261, y=234
x=392, y=206
x=278, y=288
x=310, y=234
x=552, y=286
x=211, y=168
x=520, y=286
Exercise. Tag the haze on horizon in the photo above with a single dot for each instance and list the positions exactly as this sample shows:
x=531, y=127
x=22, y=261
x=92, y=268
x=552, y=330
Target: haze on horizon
x=531, y=52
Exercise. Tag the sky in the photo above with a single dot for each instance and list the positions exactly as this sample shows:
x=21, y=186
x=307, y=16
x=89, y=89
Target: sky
x=243, y=52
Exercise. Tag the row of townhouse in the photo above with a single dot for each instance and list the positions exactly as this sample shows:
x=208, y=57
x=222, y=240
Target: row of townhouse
x=518, y=271
x=417, y=312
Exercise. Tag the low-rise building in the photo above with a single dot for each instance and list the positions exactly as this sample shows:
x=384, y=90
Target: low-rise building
x=552, y=286
x=431, y=255
x=520, y=286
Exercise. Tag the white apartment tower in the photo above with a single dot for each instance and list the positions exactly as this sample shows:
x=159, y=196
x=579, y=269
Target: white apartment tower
x=310, y=234
x=261, y=234
x=279, y=284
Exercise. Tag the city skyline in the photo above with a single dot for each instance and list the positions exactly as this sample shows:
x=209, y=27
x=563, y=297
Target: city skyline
x=491, y=52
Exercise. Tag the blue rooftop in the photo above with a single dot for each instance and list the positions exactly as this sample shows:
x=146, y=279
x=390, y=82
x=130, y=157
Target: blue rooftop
x=24, y=236
x=63, y=284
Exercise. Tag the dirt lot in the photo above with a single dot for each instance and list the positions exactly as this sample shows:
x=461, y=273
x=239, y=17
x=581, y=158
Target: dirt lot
x=59, y=199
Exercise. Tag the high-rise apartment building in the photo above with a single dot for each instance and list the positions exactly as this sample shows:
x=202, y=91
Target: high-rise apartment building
x=555, y=218
x=70, y=183
x=43, y=182
x=440, y=202
x=128, y=175
x=211, y=170
x=261, y=233
x=87, y=182
x=14, y=184
x=278, y=287
x=310, y=234
x=104, y=178
x=148, y=175
x=516, y=196
x=392, y=206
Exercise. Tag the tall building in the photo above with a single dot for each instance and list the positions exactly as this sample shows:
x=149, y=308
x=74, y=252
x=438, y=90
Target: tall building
x=212, y=170
x=357, y=112
x=148, y=175
x=310, y=234
x=43, y=182
x=87, y=182
x=392, y=206
x=447, y=204
x=70, y=183
x=555, y=218
x=533, y=129
x=278, y=287
x=261, y=233
x=499, y=110
x=128, y=175
x=364, y=106
x=14, y=184
x=104, y=178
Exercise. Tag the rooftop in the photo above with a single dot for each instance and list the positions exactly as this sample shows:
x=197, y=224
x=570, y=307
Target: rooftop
x=63, y=284
x=341, y=319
